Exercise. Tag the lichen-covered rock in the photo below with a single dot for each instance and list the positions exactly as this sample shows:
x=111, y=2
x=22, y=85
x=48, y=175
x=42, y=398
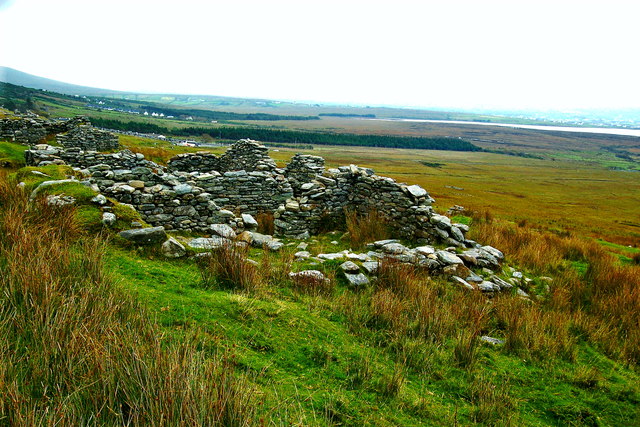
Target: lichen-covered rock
x=356, y=280
x=349, y=267
x=108, y=219
x=209, y=243
x=145, y=236
x=173, y=249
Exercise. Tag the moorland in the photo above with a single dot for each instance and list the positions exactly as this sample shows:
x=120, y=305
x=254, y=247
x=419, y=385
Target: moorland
x=142, y=339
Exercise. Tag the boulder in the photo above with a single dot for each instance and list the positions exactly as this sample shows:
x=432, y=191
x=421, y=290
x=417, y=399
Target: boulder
x=371, y=267
x=349, y=267
x=108, y=219
x=214, y=242
x=173, y=249
x=357, y=280
x=417, y=191
x=447, y=258
x=491, y=340
x=100, y=200
x=60, y=200
x=223, y=230
x=245, y=236
x=440, y=221
x=249, y=222
x=145, y=236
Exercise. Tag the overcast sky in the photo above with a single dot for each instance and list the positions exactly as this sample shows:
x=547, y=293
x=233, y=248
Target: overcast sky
x=450, y=54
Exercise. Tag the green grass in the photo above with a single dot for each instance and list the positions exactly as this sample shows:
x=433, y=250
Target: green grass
x=11, y=155
x=43, y=173
x=312, y=368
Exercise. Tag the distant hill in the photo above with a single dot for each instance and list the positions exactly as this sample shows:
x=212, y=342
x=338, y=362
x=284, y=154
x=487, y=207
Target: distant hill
x=9, y=75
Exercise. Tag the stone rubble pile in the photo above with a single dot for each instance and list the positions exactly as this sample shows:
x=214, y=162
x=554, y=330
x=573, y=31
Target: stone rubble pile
x=457, y=264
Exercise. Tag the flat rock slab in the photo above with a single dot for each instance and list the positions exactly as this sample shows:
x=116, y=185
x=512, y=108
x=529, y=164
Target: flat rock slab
x=487, y=286
x=173, y=249
x=381, y=243
x=349, y=267
x=338, y=255
x=223, y=230
x=448, y=258
x=462, y=283
x=394, y=248
x=311, y=275
x=302, y=254
x=502, y=283
x=491, y=340
x=371, y=267
x=357, y=280
x=425, y=250
x=145, y=236
x=358, y=257
x=215, y=242
x=493, y=251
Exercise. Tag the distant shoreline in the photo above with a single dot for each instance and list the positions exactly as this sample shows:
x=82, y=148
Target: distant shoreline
x=604, y=130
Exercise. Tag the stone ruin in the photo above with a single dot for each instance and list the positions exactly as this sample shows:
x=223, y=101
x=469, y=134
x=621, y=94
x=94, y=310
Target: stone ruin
x=218, y=195
x=197, y=190
x=88, y=138
x=30, y=129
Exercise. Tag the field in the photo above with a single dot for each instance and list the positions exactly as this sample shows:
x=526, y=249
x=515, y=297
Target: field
x=574, y=196
x=579, y=196
x=267, y=350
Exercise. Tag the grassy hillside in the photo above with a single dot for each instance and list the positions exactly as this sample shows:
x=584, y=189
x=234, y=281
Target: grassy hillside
x=403, y=351
x=146, y=340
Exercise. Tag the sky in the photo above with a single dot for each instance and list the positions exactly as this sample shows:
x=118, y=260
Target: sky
x=464, y=54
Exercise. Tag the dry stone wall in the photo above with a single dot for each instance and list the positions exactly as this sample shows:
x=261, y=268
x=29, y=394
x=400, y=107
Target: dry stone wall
x=198, y=190
x=89, y=138
x=31, y=129
x=246, y=155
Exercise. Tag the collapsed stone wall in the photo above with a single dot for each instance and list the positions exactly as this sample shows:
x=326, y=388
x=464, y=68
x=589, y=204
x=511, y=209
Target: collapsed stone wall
x=246, y=155
x=87, y=137
x=175, y=200
x=42, y=155
x=30, y=129
x=191, y=195
x=327, y=197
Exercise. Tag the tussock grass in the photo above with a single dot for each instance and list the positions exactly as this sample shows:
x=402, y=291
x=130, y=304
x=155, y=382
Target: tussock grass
x=265, y=223
x=77, y=351
x=494, y=404
x=603, y=303
x=228, y=268
x=365, y=228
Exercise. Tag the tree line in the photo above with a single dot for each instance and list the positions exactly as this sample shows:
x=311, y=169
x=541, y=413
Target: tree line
x=297, y=137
